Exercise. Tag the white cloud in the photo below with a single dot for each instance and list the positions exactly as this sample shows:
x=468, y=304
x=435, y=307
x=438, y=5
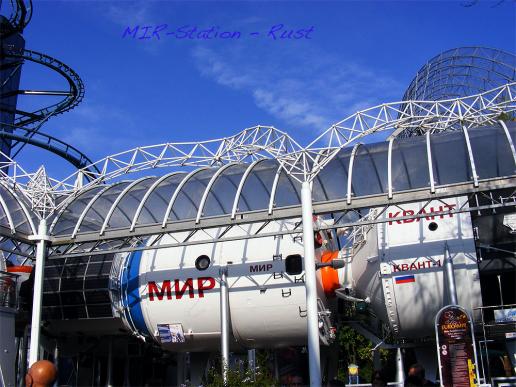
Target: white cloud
x=128, y=13
x=91, y=125
x=303, y=87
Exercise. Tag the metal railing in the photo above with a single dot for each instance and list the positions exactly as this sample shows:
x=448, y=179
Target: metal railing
x=488, y=318
x=492, y=330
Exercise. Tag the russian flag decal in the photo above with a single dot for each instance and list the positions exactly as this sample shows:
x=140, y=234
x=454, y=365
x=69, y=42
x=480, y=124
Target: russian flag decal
x=405, y=279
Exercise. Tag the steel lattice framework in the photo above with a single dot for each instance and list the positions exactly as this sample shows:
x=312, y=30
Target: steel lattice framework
x=460, y=72
x=247, y=146
x=302, y=164
x=424, y=116
x=353, y=223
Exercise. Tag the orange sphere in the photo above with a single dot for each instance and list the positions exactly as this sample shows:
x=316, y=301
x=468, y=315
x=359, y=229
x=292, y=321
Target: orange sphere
x=41, y=374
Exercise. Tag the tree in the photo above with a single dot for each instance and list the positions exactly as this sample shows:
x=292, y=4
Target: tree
x=355, y=348
x=241, y=375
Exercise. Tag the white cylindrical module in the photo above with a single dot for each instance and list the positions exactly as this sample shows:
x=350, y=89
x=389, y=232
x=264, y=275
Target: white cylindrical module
x=401, y=265
x=176, y=302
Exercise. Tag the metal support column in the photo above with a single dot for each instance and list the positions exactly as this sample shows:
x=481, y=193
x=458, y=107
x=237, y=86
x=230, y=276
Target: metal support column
x=19, y=345
x=311, y=286
x=400, y=369
x=377, y=360
x=127, y=378
x=56, y=363
x=251, y=362
x=448, y=264
x=22, y=364
x=224, y=323
x=97, y=370
x=35, y=329
x=110, y=363
x=500, y=289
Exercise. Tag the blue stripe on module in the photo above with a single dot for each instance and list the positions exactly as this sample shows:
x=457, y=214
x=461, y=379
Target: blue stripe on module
x=132, y=299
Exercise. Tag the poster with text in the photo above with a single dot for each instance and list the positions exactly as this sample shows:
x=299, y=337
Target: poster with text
x=171, y=333
x=455, y=346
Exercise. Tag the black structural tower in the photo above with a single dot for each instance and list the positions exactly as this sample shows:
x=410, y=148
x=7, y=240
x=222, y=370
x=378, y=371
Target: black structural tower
x=22, y=127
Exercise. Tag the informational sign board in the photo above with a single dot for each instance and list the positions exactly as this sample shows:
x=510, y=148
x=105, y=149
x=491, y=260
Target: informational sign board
x=505, y=315
x=171, y=333
x=456, y=347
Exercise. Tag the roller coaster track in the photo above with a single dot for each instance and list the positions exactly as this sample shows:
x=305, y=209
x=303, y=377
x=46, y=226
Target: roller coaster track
x=52, y=144
x=19, y=18
x=25, y=128
x=73, y=97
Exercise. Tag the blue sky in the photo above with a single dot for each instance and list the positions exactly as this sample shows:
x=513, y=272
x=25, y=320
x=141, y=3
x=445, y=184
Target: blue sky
x=142, y=92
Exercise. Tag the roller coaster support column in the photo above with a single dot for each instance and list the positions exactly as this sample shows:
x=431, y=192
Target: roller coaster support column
x=41, y=252
x=311, y=286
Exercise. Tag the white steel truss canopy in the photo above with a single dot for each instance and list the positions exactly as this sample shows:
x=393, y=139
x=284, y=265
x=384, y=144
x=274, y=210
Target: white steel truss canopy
x=254, y=176
x=363, y=175
x=16, y=216
x=364, y=170
x=400, y=117
x=254, y=143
